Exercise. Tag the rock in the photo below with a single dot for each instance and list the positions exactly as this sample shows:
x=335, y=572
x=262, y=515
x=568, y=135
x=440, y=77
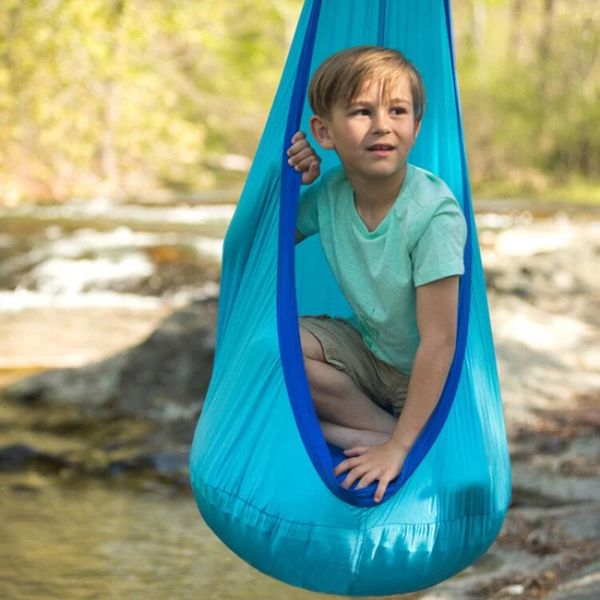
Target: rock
x=527, y=480
x=169, y=466
x=19, y=457
x=584, y=585
x=165, y=377
x=584, y=525
x=92, y=386
x=133, y=413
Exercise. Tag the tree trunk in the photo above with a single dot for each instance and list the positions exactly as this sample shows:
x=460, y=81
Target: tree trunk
x=479, y=23
x=108, y=153
x=545, y=45
x=514, y=41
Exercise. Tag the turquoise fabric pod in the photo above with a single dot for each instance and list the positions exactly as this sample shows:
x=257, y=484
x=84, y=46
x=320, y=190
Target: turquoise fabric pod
x=261, y=473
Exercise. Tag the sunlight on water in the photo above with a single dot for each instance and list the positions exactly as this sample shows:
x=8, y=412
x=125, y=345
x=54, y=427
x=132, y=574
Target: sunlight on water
x=75, y=541
x=102, y=254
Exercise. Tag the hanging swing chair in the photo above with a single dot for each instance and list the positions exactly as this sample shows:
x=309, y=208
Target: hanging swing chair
x=261, y=472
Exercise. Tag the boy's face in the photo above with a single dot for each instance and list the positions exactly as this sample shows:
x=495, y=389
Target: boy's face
x=355, y=132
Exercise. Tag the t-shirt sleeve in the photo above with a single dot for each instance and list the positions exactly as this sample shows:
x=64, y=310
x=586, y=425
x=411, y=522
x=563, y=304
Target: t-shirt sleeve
x=439, y=250
x=307, y=222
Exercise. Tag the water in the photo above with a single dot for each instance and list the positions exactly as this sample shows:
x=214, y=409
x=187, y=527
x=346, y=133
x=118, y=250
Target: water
x=103, y=253
x=68, y=537
x=75, y=540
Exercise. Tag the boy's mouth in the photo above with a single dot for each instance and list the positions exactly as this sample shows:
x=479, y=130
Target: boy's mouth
x=381, y=149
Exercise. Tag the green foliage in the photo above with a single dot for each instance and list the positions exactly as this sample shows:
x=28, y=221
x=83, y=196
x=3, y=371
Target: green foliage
x=530, y=89
x=123, y=96
x=128, y=96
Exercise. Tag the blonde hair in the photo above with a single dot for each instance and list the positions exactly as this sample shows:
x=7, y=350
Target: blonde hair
x=340, y=78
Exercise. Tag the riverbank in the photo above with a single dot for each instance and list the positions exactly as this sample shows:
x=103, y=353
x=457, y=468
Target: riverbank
x=108, y=423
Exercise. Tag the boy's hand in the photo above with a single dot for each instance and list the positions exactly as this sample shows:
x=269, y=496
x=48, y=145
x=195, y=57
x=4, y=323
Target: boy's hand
x=303, y=158
x=368, y=463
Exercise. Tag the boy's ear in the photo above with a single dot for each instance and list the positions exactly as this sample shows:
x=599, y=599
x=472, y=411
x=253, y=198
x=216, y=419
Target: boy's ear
x=320, y=129
x=418, y=128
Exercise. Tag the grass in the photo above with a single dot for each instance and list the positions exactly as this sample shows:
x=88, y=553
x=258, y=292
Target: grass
x=576, y=191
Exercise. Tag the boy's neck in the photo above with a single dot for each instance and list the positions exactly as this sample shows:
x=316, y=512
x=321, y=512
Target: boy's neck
x=374, y=197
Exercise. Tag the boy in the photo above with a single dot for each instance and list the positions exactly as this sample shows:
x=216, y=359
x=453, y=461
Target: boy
x=394, y=237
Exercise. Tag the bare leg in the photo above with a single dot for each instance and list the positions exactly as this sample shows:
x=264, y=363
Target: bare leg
x=346, y=437
x=348, y=416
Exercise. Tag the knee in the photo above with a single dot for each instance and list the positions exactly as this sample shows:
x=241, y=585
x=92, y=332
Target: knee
x=311, y=346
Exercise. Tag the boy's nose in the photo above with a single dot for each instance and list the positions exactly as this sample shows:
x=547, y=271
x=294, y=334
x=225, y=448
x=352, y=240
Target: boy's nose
x=381, y=128
x=380, y=123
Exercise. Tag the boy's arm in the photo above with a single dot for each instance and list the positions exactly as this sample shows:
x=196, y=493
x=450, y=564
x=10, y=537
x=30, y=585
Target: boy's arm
x=303, y=158
x=437, y=305
x=437, y=311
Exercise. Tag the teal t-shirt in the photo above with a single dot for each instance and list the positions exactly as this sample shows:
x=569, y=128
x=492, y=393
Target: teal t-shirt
x=420, y=240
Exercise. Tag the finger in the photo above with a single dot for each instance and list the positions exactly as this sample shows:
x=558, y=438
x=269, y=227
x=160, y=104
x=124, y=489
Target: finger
x=298, y=136
x=367, y=479
x=292, y=162
x=303, y=153
x=301, y=164
x=342, y=467
x=305, y=164
x=346, y=465
x=380, y=491
x=310, y=175
x=297, y=147
x=355, y=474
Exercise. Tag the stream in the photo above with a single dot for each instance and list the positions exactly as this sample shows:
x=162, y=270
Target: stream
x=94, y=496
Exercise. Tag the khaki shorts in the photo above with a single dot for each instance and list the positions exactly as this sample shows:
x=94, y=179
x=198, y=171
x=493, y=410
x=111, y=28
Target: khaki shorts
x=344, y=349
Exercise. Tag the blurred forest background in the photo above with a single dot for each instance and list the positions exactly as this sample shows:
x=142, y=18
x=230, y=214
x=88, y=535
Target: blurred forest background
x=130, y=98
x=127, y=128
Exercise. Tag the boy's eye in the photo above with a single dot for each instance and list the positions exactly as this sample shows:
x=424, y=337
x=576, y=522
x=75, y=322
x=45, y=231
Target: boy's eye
x=400, y=110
